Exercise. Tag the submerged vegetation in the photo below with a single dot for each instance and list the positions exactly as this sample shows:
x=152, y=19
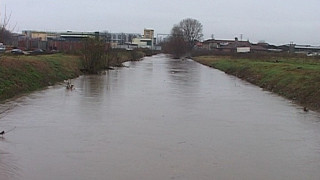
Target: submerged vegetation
x=294, y=77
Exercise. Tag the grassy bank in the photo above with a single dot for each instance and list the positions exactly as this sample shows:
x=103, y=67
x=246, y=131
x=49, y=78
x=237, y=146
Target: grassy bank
x=296, y=78
x=119, y=56
x=23, y=74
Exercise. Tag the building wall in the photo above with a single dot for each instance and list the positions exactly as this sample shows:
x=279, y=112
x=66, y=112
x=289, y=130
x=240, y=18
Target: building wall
x=148, y=33
x=39, y=35
x=243, y=49
x=122, y=38
x=142, y=42
x=72, y=41
x=31, y=44
x=65, y=46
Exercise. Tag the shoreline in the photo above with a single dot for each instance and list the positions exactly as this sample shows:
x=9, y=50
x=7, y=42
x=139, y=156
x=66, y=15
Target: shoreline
x=22, y=74
x=291, y=78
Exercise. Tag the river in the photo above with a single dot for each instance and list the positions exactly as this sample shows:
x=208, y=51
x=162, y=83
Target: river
x=158, y=119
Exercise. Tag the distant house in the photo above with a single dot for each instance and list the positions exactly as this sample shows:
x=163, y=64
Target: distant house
x=225, y=45
x=234, y=46
x=40, y=35
x=263, y=47
x=303, y=49
x=30, y=40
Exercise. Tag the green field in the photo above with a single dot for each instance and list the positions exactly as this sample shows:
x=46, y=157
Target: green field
x=294, y=77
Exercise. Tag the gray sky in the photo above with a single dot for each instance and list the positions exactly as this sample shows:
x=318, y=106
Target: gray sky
x=275, y=21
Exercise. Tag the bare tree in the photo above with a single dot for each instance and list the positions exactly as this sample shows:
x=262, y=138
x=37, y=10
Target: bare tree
x=191, y=30
x=176, y=31
x=94, y=55
x=5, y=33
x=176, y=46
x=183, y=37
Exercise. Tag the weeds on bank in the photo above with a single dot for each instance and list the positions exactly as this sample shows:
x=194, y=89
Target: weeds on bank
x=297, y=78
x=22, y=74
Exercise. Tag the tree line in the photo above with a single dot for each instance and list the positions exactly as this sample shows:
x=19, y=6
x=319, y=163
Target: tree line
x=97, y=55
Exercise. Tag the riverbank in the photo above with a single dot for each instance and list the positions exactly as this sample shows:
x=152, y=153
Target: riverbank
x=23, y=74
x=294, y=77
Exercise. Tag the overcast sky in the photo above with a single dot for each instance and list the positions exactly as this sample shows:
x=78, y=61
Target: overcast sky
x=275, y=21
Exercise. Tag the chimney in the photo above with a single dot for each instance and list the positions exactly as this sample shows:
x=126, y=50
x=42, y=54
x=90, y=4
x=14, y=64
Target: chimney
x=236, y=43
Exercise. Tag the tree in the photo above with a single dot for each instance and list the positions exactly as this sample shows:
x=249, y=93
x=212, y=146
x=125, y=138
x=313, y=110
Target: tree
x=191, y=30
x=94, y=55
x=176, y=46
x=5, y=34
x=183, y=37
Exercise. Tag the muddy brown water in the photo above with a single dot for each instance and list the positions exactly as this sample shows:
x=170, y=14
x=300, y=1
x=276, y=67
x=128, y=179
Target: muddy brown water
x=158, y=119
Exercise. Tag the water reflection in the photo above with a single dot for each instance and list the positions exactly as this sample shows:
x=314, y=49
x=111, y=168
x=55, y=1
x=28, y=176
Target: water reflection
x=92, y=85
x=184, y=73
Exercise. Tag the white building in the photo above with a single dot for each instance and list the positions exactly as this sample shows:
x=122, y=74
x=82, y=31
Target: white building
x=142, y=42
x=147, y=41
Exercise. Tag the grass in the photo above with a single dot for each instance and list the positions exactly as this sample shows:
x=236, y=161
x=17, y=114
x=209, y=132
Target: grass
x=117, y=57
x=23, y=74
x=296, y=78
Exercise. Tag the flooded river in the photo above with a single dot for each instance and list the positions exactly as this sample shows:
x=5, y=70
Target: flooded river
x=158, y=119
